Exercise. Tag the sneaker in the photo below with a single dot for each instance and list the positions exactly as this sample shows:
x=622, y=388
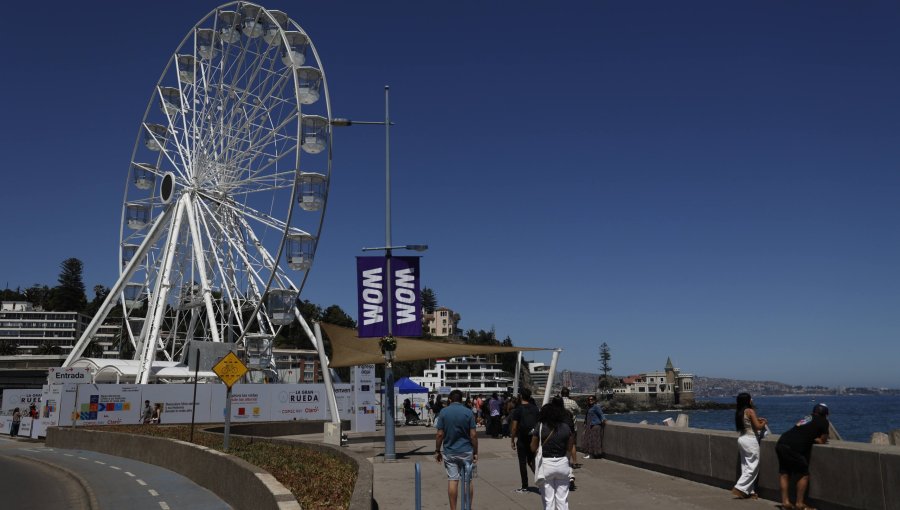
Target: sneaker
x=586, y=457
x=522, y=490
x=572, y=485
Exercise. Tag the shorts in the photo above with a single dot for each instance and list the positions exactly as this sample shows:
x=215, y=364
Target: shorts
x=457, y=463
x=790, y=461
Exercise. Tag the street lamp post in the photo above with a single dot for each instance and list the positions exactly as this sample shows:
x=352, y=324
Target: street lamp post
x=389, y=446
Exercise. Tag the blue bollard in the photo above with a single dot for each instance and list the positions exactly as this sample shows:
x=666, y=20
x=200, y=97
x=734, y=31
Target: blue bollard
x=418, y=486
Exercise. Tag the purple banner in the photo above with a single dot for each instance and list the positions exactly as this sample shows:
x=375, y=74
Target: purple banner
x=372, y=304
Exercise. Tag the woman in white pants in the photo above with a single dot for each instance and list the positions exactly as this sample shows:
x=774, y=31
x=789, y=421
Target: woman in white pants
x=749, y=426
x=553, y=437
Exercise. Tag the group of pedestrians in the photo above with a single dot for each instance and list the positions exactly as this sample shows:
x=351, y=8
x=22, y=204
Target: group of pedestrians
x=793, y=450
x=17, y=416
x=543, y=439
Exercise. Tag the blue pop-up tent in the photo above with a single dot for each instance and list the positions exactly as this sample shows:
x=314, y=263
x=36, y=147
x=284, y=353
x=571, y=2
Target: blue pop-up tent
x=405, y=385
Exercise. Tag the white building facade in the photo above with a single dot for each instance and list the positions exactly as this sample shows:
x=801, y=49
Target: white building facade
x=28, y=328
x=471, y=374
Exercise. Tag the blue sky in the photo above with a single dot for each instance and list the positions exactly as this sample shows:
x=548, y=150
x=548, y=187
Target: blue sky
x=711, y=181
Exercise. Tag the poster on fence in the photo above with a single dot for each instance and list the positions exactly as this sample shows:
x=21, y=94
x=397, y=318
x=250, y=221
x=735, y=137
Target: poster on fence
x=107, y=404
x=299, y=402
x=13, y=399
x=176, y=401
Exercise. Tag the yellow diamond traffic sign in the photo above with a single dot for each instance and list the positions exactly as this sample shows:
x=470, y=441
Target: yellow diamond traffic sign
x=230, y=369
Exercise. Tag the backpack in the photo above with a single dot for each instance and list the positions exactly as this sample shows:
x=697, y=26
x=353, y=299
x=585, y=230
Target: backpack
x=528, y=420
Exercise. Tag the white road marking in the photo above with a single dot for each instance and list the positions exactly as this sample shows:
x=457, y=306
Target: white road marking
x=153, y=492
x=117, y=468
x=129, y=474
x=163, y=505
x=100, y=462
x=68, y=455
x=83, y=458
x=141, y=481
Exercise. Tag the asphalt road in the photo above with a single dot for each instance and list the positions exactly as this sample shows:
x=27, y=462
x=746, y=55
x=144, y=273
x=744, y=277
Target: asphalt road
x=35, y=476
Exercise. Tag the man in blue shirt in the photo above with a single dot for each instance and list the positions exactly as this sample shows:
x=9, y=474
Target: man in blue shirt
x=456, y=434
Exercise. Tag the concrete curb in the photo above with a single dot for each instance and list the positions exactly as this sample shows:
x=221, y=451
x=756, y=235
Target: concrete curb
x=92, y=502
x=240, y=484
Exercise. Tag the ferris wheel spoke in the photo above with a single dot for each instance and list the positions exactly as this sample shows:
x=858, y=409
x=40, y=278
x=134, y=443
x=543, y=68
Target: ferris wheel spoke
x=239, y=248
x=229, y=283
x=178, y=168
x=268, y=182
x=246, y=210
x=254, y=68
x=267, y=257
x=262, y=106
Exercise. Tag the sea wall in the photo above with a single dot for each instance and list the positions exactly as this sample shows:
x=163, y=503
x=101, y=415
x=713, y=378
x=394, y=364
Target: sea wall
x=843, y=475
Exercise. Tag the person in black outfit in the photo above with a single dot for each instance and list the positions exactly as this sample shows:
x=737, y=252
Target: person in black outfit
x=554, y=437
x=794, y=448
x=523, y=418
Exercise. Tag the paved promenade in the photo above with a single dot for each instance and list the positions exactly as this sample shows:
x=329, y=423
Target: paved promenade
x=601, y=483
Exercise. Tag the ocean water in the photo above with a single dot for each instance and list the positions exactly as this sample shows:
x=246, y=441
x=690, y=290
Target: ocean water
x=855, y=417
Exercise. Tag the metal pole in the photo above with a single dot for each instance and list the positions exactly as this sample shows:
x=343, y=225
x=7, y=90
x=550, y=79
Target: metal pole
x=227, y=417
x=194, y=406
x=389, y=448
x=387, y=180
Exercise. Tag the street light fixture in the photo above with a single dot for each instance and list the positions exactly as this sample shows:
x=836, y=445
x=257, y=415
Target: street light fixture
x=389, y=447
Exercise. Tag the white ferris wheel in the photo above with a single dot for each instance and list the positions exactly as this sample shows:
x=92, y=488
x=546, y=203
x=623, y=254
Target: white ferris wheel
x=226, y=190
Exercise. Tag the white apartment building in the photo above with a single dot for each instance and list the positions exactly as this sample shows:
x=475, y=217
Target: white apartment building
x=29, y=328
x=470, y=374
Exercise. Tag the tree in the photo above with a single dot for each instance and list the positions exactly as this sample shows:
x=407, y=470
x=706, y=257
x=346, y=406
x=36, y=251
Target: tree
x=429, y=300
x=310, y=311
x=39, y=296
x=100, y=294
x=69, y=295
x=335, y=315
x=12, y=295
x=605, y=356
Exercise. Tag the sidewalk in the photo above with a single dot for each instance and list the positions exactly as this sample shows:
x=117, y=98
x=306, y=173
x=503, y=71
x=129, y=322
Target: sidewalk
x=601, y=483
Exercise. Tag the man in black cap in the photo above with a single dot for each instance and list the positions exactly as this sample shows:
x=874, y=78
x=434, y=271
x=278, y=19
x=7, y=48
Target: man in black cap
x=794, y=449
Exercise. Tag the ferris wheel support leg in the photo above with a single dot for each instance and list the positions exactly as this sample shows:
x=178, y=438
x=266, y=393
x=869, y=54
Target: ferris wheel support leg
x=144, y=334
x=550, y=376
x=148, y=354
x=152, y=235
x=326, y=374
x=197, y=243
